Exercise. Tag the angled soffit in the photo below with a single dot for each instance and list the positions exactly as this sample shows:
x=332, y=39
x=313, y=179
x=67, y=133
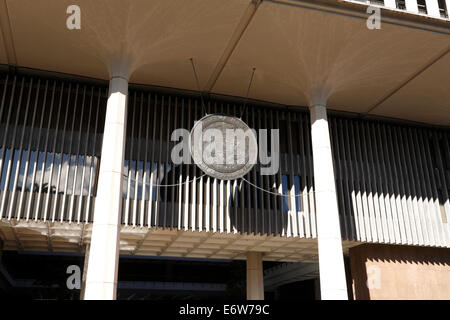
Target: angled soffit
x=299, y=52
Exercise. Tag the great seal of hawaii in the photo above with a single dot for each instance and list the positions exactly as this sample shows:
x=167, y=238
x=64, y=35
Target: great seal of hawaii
x=223, y=147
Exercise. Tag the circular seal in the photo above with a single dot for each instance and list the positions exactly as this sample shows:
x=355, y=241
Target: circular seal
x=223, y=147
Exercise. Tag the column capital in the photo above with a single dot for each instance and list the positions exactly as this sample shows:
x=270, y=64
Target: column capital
x=119, y=78
x=318, y=94
x=119, y=68
x=318, y=112
x=317, y=105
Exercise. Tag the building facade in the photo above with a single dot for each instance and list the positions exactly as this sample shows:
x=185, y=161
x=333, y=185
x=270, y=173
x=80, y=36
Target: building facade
x=90, y=97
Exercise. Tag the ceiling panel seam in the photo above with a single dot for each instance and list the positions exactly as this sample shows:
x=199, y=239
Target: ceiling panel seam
x=404, y=83
x=232, y=44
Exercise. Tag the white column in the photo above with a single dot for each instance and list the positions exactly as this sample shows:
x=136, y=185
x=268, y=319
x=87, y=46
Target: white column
x=447, y=6
x=83, y=277
x=411, y=6
x=255, y=276
x=331, y=261
x=101, y=280
x=433, y=8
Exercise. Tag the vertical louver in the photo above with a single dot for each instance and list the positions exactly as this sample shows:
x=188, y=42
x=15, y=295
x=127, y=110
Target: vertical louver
x=197, y=202
x=392, y=181
x=51, y=133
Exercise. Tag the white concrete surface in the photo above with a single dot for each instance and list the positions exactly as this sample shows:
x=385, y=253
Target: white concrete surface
x=331, y=261
x=411, y=6
x=101, y=280
x=390, y=4
x=433, y=8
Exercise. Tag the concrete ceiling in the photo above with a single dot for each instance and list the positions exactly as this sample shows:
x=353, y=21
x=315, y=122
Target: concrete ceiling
x=301, y=54
x=64, y=237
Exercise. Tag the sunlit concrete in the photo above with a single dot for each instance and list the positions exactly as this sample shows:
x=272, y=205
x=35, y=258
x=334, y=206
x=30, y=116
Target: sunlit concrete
x=101, y=278
x=295, y=47
x=333, y=285
x=255, y=276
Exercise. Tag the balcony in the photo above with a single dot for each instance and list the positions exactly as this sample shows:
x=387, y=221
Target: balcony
x=433, y=8
x=422, y=7
x=400, y=4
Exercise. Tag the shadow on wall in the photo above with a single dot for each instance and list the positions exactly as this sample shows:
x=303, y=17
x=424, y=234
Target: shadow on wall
x=244, y=209
x=392, y=180
x=152, y=117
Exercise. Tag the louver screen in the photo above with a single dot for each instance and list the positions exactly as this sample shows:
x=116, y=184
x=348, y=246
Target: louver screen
x=50, y=135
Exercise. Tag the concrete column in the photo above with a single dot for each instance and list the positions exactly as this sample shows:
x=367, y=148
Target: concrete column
x=317, y=289
x=331, y=261
x=101, y=280
x=255, y=276
x=83, y=277
x=433, y=8
x=411, y=6
x=447, y=7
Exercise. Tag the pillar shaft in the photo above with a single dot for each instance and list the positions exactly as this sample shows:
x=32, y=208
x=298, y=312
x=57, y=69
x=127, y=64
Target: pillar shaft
x=255, y=278
x=101, y=279
x=331, y=261
x=83, y=277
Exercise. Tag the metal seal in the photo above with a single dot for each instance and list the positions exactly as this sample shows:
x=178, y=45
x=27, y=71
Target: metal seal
x=223, y=147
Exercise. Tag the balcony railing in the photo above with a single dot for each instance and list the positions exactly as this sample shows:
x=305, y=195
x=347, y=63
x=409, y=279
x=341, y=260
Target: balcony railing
x=400, y=4
x=422, y=8
x=377, y=2
x=432, y=8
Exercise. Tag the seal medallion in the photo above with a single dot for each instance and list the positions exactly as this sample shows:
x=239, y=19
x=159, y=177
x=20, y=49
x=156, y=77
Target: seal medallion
x=223, y=147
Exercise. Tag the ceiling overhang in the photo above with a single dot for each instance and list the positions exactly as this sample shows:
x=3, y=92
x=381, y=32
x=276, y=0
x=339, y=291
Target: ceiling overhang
x=303, y=51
